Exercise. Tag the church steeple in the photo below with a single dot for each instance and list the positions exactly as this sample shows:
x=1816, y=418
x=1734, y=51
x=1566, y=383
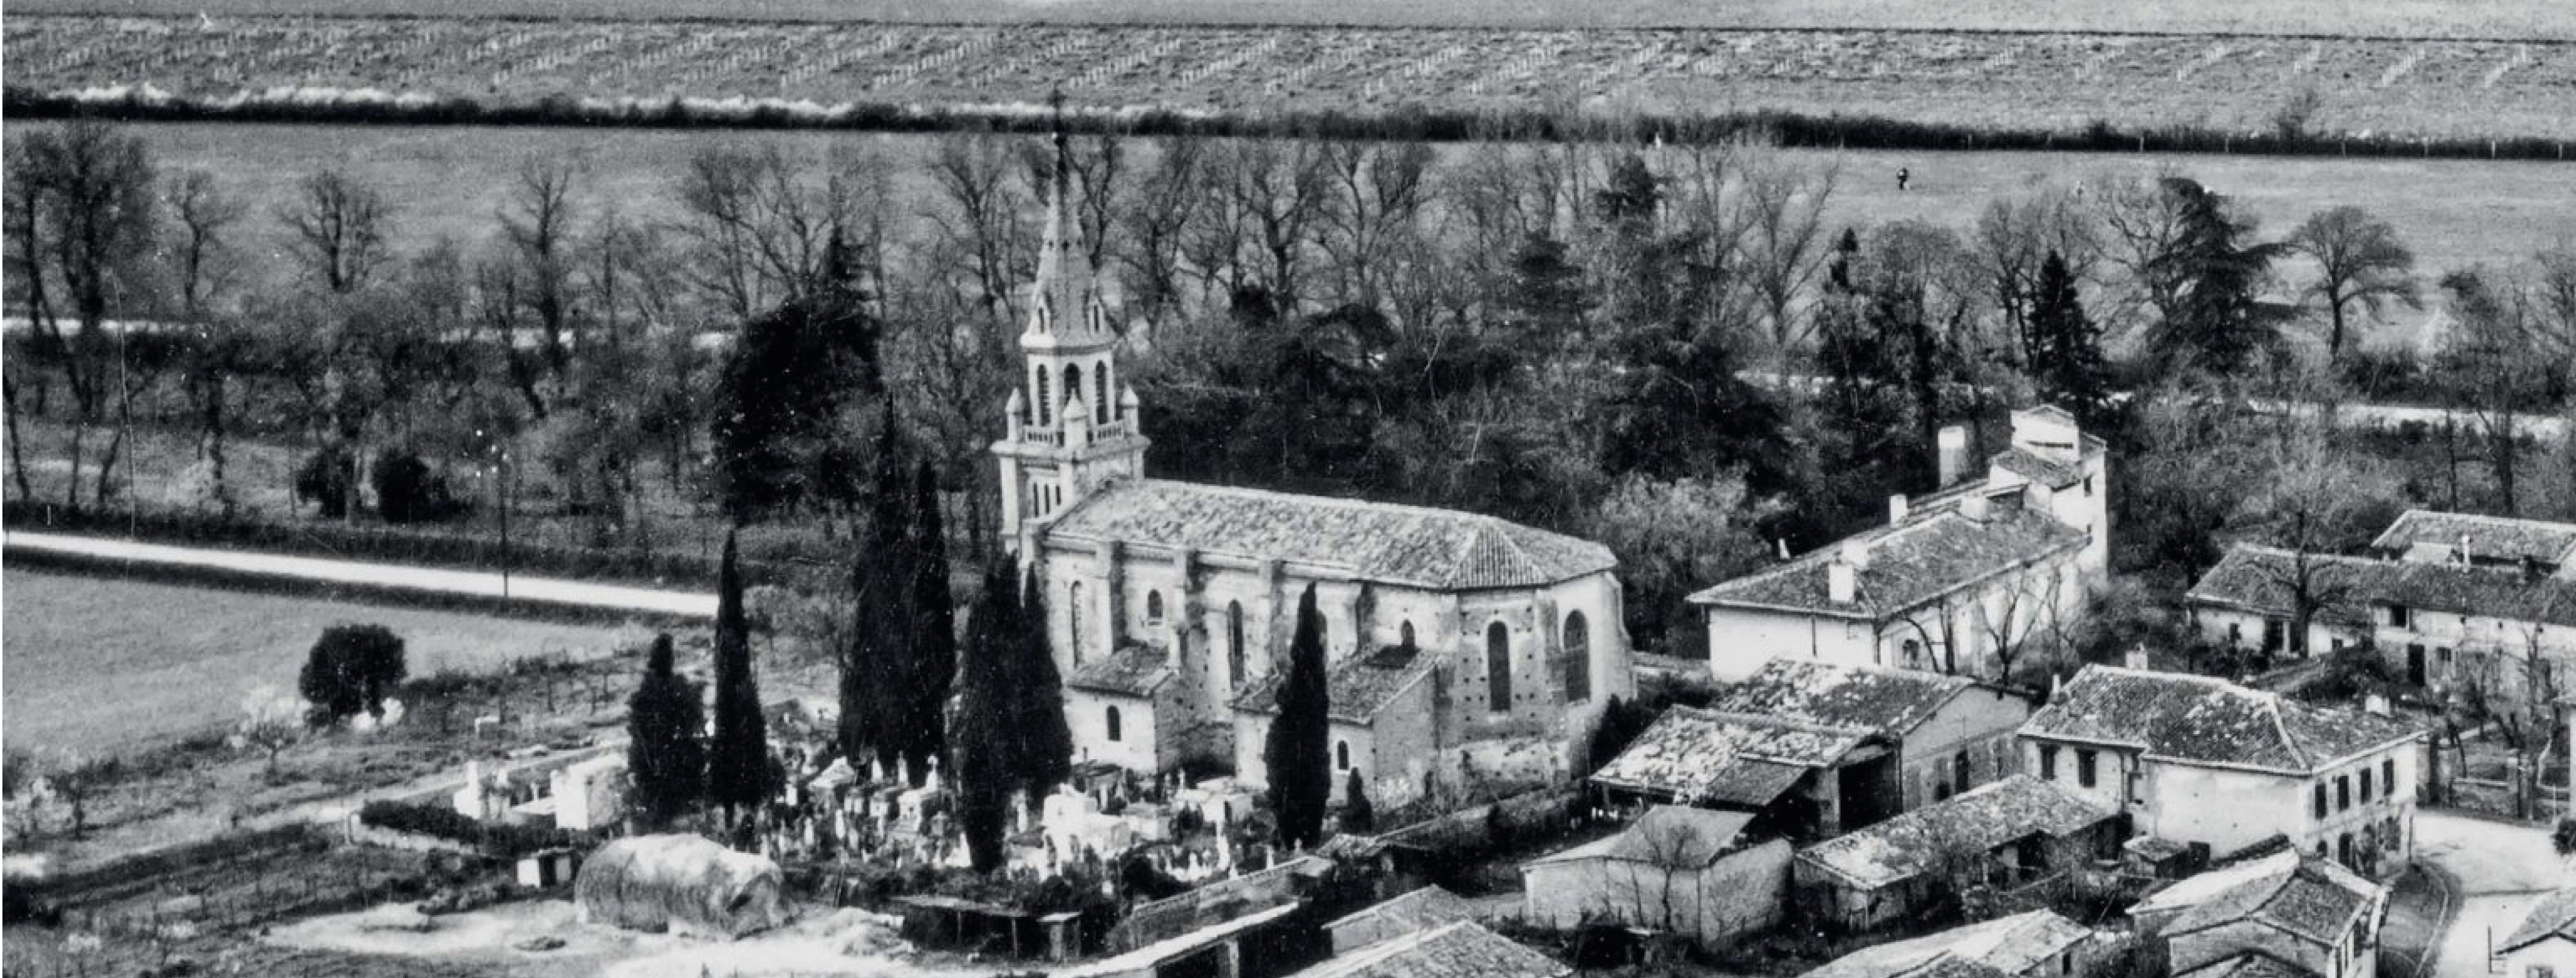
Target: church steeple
x=1072, y=424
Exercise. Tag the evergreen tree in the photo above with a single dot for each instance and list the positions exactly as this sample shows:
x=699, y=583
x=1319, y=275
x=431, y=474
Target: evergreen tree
x=1359, y=817
x=2066, y=347
x=738, y=772
x=666, y=729
x=1046, y=756
x=983, y=735
x=932, y=666
x=1545, y=301
x=876, y=722
x=780, y=403
x=1297, y=751
x=2213, y=278
x=1684, y=410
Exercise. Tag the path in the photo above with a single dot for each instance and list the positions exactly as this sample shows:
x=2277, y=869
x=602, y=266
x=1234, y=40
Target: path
x=2500, y=870
x=511, y=587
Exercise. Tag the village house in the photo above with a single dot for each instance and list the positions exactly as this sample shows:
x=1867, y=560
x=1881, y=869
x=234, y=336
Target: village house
x=1520, y=629
x=1419, y=910
x=2451, y=600
x=2544, y=946
x=1957, y=582
x=2019, y=839
x=1689, y=872
x=1384, y=724
x=2032, y=944
x=1801, y=780
x=2283, y=915
x=1463, y=949
x=1951, y=733
x=2199, y=760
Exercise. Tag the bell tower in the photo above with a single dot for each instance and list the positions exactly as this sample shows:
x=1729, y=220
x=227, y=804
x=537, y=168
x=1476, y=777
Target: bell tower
x=1071, y=425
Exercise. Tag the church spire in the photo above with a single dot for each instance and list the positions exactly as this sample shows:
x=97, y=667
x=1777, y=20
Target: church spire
x=1065, y=292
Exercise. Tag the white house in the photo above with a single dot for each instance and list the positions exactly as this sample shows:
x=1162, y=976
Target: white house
x=2283, y=916
x=1955, y=582
x=2451, y=599
x=1684, y=871
x=1521, y=629
x=2194, y=759
x=2545, y=945
x=1951, y=733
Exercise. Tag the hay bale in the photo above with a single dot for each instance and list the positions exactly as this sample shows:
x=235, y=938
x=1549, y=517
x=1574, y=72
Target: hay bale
x=681, y=883
x=401, y=917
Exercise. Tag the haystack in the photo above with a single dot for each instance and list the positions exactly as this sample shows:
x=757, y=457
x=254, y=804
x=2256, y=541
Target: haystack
x=681, y=883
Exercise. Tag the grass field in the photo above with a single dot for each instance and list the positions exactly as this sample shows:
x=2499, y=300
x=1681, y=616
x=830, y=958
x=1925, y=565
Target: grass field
x=105, y=666
x=444, y=179
x=2395, y=18
x=2064, y=82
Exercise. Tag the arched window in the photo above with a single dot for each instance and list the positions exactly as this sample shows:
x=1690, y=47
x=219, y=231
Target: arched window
x=1046, y=405
x=1073, y=386
x=1960, y=776
x=1578, y=658
x=1115, y=731
x=1405, y=634
x=1498, y=668
x=1234, y=643
x=1073, y=621
x=1341, y=755
x=1100, y=394
x=1153, y=607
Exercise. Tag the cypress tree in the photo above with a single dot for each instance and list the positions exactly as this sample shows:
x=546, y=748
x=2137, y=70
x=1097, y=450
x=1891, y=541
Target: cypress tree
x=666, y=728
x=1046, y=757
x=876, y=715
x=1358, y=815
x=2066, y=352
x=738, y=760
x=982, y=737
x=932, y=663
x=1297, y=751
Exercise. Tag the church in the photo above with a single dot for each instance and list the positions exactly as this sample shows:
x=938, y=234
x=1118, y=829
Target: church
x=1464, y=648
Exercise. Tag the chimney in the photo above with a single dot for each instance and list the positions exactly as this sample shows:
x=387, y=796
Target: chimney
x=2136, y=658
x=1975, y=506
x=1842, y=581
x=1896, y=509
x=2464, y=551
x=1952, y=446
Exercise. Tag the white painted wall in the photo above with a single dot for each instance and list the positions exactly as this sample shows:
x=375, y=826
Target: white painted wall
x=2558, y=954
x=1742, y=893
x=1086, y=713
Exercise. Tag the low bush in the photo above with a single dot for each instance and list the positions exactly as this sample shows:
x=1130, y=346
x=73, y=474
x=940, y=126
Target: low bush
x=350, y=669
x=409, y=491
x=499, y=840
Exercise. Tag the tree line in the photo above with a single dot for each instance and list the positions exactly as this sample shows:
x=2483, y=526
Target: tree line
x=1566, y=334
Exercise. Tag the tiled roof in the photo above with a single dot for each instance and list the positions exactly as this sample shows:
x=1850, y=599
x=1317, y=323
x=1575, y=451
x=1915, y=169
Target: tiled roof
x=1355, y=690
x=1430, y=548
x=2301, y=895
x=1133, y=670
x=2010, y=945
x=2250, y=964
x=2492, y=537
x=1909, y=563
x=2198, y=719
x=1667, y=835
x=1871, y=697
x=1421, y=909
x=2554, y=916
x=1458, y=950
x=2255, y=578
x=1694, y=756
x=1991, y=815
x=2030, y=465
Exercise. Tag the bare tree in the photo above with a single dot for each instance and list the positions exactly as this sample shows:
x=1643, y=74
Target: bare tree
x=979, y=212
x=1279, y=187
x=2517, y=684
x=2359, y=262
x=1151, y=227
x=1377, y=192
x=337, y=226
x=81, y=220
x=272, y=721
x=1785, y=241
x=2494, y=372
x=1658, y=873
x=2015, y=236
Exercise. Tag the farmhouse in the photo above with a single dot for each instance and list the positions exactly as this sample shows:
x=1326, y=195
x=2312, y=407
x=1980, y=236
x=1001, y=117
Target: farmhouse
x=2452, y=600
x=2284, y=914
x=2544, y=946
x=1951, y=733
x=2198, y=760
x=2018, y=839
x=1957, y=582
x=2033, y=944
x=1804, y=780
x=1518, y=631
x=1684, y=871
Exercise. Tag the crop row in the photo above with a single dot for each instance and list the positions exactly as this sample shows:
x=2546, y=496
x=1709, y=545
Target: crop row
x=2436, y=88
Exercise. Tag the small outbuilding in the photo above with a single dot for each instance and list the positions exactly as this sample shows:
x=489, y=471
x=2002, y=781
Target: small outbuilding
x=685, y=884
x=1689, y=872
